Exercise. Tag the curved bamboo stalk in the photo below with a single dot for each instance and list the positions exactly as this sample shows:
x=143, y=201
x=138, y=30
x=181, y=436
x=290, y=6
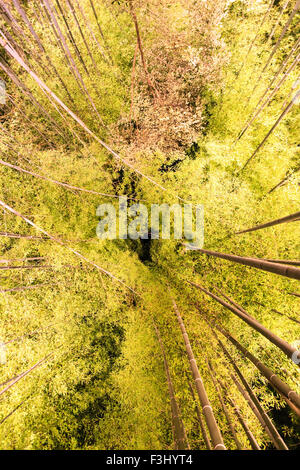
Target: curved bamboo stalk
x=201, y=422
x=10, y=50
x=280, y=269
x=59, y=183
x=224, y=407
x=282, y=220
x=60, y=242
x=179, y=434
x=289, y=350
x=206, y=407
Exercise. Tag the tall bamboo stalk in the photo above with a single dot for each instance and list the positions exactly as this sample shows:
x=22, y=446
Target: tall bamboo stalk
x=284, y=180
x=256, y=112
x=282, y=115
x=276, y=46
x=282, y=220
x=224, y=407
x=201, y=422
x=179, y=434
x=28, y=371
x=70, y=59
x=213, y=428
x=280, y=269
x=289, y=350
x=277, y=73
x=256, y=35
x=276, y=438
x=139, y=41
x=273, y=379
x=248, y=432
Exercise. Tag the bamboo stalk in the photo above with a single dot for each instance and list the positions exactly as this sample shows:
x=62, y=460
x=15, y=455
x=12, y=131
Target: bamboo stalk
x=201, y=422
x=277, y=44
x=37, y=364
x=280, y=269
x=213, y=428
x=273, y=379
x=276, y=438
x=59, y=183
x=282, y=220
x=248, y=432
x=224, y=407
x=289, y=350
x=282, y=115
x=60, y=242
x=256, y=35
x=179, y=434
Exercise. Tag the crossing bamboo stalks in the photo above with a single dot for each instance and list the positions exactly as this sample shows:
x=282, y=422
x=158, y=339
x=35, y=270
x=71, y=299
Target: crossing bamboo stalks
x=282, y=220
x=89, y=27
x=276, y=438
x=28, y=93
x=282, y=115
x=277, y=73
x=71, y=37
x=289, y=350
x=232, y=301
x=72, y=9
x=271, y=96
x=201, y=422
x=256, y=36
x=60, y=242
x=224, y=407
x=247, y=398
x=12, y=52
x=28, y=371
x=273, y=379
x=179, y=434
x=280, y=269
x=40, y=45
x=59, y=183
x=213, y=428
x=277, y=44
x=285, y=261
x=248, y=432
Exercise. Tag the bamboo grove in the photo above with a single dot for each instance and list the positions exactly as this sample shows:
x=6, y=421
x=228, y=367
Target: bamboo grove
x=147, y=344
